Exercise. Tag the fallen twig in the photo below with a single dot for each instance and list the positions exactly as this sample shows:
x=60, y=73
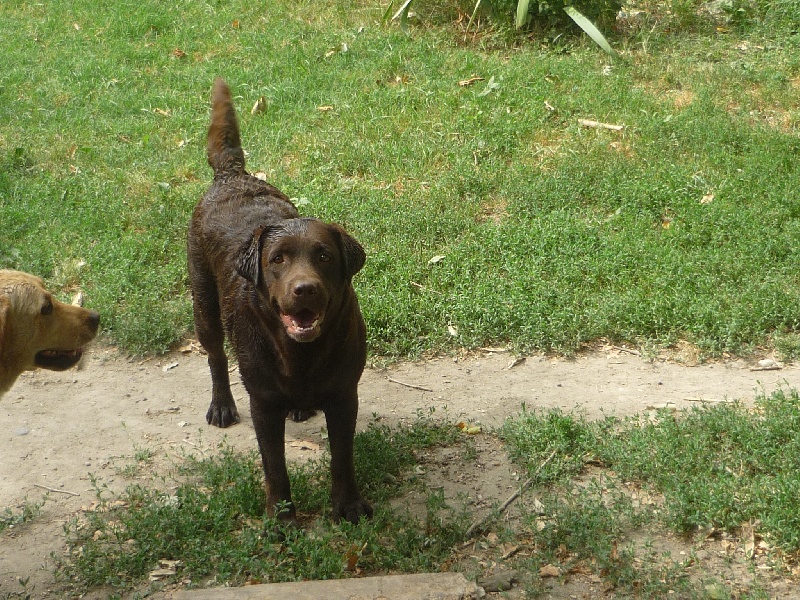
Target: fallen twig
x=705, y=400
x=410, y=385
x=478, y=522
x=423, y=288
x=769, y=368
x=515, y=363
x=598, y=124
x=628, y=350
x=49, y=489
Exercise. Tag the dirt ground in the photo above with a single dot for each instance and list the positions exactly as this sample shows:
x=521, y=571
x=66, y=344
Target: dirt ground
x=58, y=428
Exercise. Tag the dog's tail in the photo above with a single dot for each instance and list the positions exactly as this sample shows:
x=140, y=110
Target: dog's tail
x=225, y=154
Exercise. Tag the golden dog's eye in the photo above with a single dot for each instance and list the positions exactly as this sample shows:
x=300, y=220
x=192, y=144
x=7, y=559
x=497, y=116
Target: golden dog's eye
x=47, y=309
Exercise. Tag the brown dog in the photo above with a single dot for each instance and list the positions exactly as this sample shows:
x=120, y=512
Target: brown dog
x=280, y=286
x=38, y=331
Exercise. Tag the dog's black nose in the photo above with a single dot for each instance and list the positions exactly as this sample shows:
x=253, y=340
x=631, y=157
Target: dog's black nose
x=305, y=288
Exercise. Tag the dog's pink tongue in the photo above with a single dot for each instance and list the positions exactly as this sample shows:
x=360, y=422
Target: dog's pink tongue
x=301, y=326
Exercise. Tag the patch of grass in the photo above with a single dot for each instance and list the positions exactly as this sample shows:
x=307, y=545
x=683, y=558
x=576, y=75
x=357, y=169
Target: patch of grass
x=28, y=512
x=683, y=226
x=712, y=468
x=213, y=522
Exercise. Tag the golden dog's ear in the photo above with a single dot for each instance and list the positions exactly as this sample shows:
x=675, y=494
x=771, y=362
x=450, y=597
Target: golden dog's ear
x=248, y=261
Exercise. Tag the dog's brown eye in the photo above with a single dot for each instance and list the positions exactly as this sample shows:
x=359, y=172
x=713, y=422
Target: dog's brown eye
x=277, y=259
x=324, y=257
x=47, y=308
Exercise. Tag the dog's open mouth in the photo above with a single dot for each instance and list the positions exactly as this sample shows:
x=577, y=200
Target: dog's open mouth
x=58, y=360
x=302, y=326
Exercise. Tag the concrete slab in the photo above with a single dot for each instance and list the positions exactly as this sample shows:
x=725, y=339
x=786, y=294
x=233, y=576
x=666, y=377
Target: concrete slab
x=420, y=586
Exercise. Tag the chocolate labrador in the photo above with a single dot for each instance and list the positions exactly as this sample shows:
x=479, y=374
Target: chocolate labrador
x=279, y=285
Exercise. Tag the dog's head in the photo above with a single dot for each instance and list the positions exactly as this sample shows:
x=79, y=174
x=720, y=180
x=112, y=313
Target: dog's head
x=38, y=331
x=302, y=267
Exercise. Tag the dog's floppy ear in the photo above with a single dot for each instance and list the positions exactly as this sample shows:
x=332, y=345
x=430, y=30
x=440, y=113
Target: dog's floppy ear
x=353, y=253
x=248, y=261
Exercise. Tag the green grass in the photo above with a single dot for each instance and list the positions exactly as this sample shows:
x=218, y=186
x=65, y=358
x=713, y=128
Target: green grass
x=211, y=519
x=552, y=233
x=608, y=502
x=27, y=512
x=712, y=469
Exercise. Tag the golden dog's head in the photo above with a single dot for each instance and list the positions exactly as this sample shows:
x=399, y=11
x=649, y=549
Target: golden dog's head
x=38, y=331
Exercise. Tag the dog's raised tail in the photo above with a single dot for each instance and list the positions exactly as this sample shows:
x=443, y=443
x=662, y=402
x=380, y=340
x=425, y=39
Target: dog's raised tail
x=225, y=154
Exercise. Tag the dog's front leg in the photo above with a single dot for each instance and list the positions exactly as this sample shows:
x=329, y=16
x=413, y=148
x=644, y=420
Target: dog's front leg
x=348, y=504
x=222, y=410
x=269, y=423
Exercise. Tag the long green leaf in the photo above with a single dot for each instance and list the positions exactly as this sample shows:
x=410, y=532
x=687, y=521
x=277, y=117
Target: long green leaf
x=403, y=14
x=522, y=14
x=589, y=28
x=472, y=17
x=388, y=14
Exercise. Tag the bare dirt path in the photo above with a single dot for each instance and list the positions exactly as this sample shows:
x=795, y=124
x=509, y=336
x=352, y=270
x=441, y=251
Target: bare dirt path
x=58, y=428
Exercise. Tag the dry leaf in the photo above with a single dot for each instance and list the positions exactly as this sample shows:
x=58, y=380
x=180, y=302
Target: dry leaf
x=324, y=108
x=161, y=111
x=259, y=107
x=549, y=571
x=352, y=556
x=169, y=367
x=178, y=53
x=516, y=362
x=189, y=348
x=235, y=24
x=74, y=170
x=707, y=199
x=452, y=330
x=436, y=259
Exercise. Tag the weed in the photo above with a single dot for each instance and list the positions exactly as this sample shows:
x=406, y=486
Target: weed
x=213, y=521
x=28, y=512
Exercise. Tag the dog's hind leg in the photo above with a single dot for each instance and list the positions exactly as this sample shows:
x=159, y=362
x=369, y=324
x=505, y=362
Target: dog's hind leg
x=211, y=335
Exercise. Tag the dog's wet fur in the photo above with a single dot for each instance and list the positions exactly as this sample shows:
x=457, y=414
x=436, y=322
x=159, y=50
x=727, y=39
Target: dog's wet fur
x=36, y=330
x=279, y=286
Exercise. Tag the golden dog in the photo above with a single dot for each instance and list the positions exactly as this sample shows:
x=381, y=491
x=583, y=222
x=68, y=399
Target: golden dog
x=38, y=331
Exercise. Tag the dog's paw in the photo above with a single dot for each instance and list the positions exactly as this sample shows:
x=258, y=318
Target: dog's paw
x=222, y=416
x=299, y=415
x=352, y=511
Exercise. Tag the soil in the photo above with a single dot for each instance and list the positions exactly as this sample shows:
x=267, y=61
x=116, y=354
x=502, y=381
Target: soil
x=58, y=429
